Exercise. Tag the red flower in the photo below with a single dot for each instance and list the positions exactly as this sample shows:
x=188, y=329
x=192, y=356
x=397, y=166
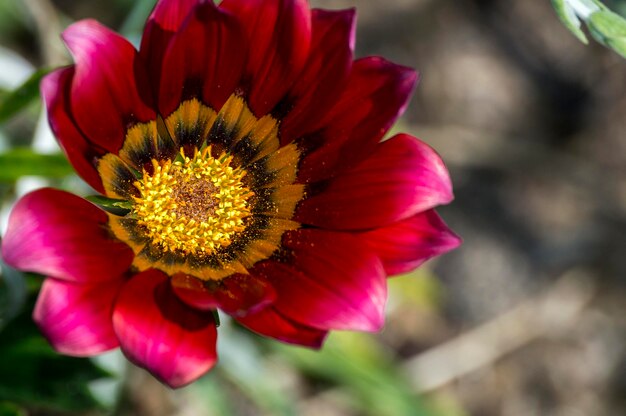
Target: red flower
x=240, y=154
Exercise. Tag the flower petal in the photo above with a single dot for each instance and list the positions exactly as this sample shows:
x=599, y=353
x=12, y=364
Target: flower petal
x=160, y=333
x=164, y=21
x=236, y=295
x=335, y=282
x=376, y=94
x=108, y=90
x=404, y=245
x=205, y=59
x=324, y=75
x=76, y=318
x=270, y=323
x=55, y=89
x=403, y=177
x=58, y=234
x=194, y=292
x=279, y=34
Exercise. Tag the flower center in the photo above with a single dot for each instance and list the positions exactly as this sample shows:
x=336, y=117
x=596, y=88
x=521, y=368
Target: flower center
x=193, y=205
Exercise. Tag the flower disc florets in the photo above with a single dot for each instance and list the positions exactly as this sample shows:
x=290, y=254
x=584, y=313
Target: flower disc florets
x=193, y=205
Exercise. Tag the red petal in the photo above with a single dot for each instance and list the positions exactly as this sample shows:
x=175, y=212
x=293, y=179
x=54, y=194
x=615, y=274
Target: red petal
x=55, y=89
x=194, y=292
x=160, y=333
x=206, y=59
x=376, y=94
x=76, y=318
x=279, y=34
x=271, y=323
x=163, y=22
x=236, y=295
x=335, y=282
x=404, y=245
x=106, y=96
x=325, y=73
x=58, y=234
x=402, y=177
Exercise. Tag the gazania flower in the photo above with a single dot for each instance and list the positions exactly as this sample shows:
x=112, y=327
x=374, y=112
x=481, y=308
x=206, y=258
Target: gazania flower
x=241, y=167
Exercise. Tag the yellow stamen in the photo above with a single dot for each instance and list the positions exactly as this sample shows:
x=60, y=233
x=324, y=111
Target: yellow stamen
x=194, y=205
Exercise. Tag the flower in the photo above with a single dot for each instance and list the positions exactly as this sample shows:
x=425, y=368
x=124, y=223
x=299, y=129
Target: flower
x=240, y=157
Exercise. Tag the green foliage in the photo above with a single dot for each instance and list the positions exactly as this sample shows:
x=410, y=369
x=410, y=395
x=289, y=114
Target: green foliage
x=609, y=29
x=135, y=19
x=19, y=162
x=242, y=363
x=359, y=364
x=11, y=409
x=33, y=375
x=213, y=394
x=15, y=101
x=12, y=293
x=568, y=17
x=114, y=206
x=12, y=19
x=605, y=26
x=420, y=288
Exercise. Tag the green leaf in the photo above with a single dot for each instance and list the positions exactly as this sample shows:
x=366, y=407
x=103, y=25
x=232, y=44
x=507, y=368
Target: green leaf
x=242, y=364
x=420, y=288
x=216, y=317
x=605, y=26
x=212, y=393
x=22, y=161
x=619, y=46
x=21, y=97
x=569, y=19
x=136, y=18
x=609, y=29
x=599, y=4
x=114, y=206
x=13, y=291
x=11, y=409
x=356, y=362
x=32, y=374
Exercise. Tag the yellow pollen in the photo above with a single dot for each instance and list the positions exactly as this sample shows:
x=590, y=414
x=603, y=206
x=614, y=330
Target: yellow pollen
x=194, y=205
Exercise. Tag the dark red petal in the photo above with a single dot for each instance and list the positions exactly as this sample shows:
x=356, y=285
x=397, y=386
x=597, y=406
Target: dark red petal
x=194, y=292
x=55, y=89
x=270, y=323
x=107, y=88
x=279, y=34
x=376, y=94
x=324, y=75
x=403, y=177
x=160, y=333
x=58, y=234
x=76, y=318
x=205, y=59
x=243, y=294
x=404, y=245
x=236, y=295
x=163, y=22
x=335, y=282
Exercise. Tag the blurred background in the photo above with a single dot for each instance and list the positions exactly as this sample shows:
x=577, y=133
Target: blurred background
x=526, y=318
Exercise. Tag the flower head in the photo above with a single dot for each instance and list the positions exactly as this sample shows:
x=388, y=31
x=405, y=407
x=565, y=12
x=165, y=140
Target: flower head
x=239, y=151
